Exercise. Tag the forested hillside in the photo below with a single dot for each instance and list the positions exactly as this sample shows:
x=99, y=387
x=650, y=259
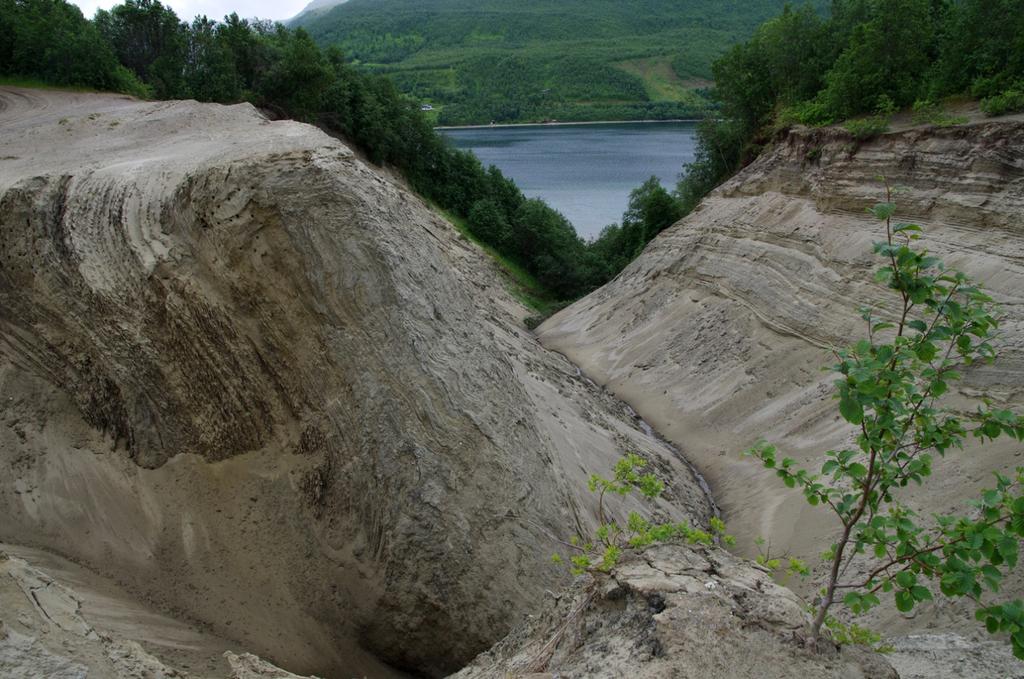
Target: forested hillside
x=864, y=62
x=478, y=61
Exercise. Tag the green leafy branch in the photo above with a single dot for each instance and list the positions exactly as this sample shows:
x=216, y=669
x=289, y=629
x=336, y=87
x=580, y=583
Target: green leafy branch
x=853, y=633
x=602, y=550
x=793, y=565
x=889, y=387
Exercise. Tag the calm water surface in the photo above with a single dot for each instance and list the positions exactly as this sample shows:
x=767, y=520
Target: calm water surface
x=584, y=171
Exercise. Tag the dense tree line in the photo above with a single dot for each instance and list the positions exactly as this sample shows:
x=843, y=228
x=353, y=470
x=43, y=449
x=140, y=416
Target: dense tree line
x=867, y=57
x=480, y=61
x=531, y=85
x=444, y=24
x=52, y=41
x=532, y=88
x=652, y=209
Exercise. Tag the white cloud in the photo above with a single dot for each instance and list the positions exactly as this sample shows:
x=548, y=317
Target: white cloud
x=186, y=10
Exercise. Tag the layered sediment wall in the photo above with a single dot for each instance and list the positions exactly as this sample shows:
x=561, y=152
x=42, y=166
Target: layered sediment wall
x=718, y=332
x=263, y=386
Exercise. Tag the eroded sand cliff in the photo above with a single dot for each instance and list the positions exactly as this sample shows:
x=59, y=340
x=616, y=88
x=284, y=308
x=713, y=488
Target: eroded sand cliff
x=717, y=333
x=267, y=389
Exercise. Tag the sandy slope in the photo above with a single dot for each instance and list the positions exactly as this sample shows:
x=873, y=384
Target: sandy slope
x=62, y=621
x=70, y=612
x=265, y=387
x=716, y=334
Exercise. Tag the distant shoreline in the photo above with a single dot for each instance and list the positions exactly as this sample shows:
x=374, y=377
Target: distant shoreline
x=566, y=124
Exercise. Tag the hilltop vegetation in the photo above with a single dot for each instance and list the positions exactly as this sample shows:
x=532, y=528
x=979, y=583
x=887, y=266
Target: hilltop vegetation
x=868, y=59
x=857, y=66
x=479, y=61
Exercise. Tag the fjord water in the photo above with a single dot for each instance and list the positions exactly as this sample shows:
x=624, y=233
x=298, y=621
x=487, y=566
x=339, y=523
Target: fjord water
x=584, y=171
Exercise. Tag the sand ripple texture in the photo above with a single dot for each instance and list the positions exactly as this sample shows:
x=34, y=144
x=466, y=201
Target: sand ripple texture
x=718, y=332
x=265, y=387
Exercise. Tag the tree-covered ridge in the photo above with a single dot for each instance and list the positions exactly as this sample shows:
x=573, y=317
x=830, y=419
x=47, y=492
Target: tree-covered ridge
x=543, y=59
x=868, y=58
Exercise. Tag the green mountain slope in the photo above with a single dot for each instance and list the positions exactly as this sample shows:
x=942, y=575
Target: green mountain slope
x=478, y=61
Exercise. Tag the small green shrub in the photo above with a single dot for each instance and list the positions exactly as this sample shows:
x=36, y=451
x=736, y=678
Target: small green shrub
x=126, y=82
x=854, y=634
x=1010, y=101
x=885, y=106
x=794, y=566
x=870, y=127
x=929, y=113
x=990, y=86
x=602, y=550
x=812, y=113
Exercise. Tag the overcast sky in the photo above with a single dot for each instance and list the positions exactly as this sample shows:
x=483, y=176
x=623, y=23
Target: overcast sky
x=215, y=9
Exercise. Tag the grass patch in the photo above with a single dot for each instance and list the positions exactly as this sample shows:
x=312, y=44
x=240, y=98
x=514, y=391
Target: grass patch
x=867, y=128
x=931, y=113
x=1010, y=101
x=519, y=282
x=660, y=81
